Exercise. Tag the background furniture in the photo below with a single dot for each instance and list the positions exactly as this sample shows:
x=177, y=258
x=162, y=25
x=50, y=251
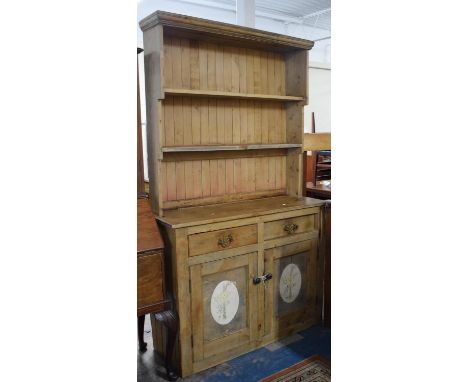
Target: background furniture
x=225, y=139
x=327, y=259
x=151, y=296
x=317, y=166
x=321, y=164
x=140, y=168
x=320, y=143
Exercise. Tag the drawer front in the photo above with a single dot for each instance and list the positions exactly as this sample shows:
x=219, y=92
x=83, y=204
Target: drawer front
x=150, y=279
x=290, y=226
x=207, y=242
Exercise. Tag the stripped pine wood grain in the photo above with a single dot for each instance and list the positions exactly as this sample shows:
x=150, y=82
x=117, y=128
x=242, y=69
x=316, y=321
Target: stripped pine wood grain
x=212, y=129
x=187, y=126
x=219, y=68
x=242, y=70
x=282, y=121
x=194, y=65
x=211, y=49
x=171, y=181
x=225, y=117
x=197, y=178
x=185, y=62
x=236, y=126
x=279, y=73
x=243, y=121
x=180, y=180
x=213, y=177
x=235, y=70
x=169, y=132
x=206, y=178
x=221, y=176
x=188, y=179
x=263, y=72
x=168, y=63
x=271, y=78
x=264, y=121
x=257, y=86
x=263, y=174
x=178, y=115
x=176, y=63
x=250, y=174
x=279, y=180
x=258, y=186
x=227, y=67
x=271, y=173
x=244, y=187
x=210, y=178
x=230, y=176
x=250, y=121
x=203, y=59
x=204, y=121
x=225, y=94
x=228, y=123
x=163, y=180
x=249, y=67
x=257, y=136
x=220, y=121
x=196, y=118
x=237, y=176
x=272, y=130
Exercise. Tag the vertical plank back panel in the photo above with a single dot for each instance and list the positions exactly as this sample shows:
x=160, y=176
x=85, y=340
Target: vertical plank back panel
x=199, y=64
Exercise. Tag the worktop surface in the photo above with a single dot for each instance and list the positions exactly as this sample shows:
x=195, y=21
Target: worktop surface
x=190, y=216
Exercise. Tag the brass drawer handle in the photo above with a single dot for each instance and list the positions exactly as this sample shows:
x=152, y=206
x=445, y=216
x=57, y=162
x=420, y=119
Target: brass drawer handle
x=225, y=241
x=290, y=228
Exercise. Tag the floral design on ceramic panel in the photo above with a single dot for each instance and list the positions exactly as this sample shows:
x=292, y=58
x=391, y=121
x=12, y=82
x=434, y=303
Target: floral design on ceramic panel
x=290, y=283
x=224, y=302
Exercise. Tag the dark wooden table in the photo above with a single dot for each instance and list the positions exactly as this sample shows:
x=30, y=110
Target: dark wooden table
x=318, y=191
x=151, y=281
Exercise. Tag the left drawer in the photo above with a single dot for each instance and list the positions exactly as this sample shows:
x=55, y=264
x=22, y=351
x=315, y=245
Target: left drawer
x=213, y=241
x=150, y=279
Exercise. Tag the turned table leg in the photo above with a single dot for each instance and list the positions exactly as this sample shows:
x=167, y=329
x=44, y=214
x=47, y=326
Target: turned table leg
x=171, y=321
x=141, y=327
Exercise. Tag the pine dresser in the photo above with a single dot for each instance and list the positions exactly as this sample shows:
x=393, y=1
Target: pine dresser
x=224, y=108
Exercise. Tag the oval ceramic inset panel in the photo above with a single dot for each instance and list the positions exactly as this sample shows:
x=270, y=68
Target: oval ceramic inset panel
x=290, y=283
x=224, y=302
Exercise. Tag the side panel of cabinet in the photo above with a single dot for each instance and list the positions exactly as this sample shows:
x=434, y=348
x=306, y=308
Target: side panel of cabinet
x=293, y=300
x=224, y=314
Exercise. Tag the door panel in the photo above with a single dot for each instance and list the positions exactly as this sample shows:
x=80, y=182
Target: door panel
x=223, y=305
x=292, y=299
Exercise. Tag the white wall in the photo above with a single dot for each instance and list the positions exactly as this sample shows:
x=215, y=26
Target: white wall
x=319, y=98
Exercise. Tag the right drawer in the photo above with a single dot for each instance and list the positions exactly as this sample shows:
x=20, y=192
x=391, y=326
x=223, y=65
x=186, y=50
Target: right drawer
x=290, y=226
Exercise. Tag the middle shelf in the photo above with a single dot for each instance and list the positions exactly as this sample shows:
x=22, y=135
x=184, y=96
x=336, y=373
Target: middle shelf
x=220, y=94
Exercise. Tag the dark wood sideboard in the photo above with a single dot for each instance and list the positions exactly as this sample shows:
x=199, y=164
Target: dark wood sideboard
x=152, y=298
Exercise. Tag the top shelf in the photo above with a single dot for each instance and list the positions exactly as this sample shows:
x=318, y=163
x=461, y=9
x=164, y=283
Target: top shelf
x=213, y=93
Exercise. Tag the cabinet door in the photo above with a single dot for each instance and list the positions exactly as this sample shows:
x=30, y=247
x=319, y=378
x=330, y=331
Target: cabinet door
x=293, y=300
x=223, y=300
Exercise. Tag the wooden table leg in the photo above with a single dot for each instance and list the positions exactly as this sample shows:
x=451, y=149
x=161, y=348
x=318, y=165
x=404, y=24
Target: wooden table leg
x=171, y=321
x=141, y=327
